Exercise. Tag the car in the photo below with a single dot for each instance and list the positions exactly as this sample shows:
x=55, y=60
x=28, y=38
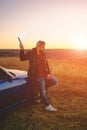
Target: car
x=14, y=86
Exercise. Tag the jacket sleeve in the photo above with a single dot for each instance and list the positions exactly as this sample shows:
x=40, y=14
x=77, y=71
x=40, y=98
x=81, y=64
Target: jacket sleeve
x=23, y=56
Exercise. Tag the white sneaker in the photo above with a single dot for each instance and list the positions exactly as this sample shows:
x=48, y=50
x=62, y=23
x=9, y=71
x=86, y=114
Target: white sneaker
x=50, y=108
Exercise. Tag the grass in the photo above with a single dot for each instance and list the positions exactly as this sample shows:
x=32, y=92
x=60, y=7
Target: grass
x=69, y=97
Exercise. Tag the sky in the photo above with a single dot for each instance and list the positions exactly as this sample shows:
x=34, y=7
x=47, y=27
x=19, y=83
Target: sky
x=61, y=24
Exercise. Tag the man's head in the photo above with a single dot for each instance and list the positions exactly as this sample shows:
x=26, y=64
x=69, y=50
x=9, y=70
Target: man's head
x=40, y=46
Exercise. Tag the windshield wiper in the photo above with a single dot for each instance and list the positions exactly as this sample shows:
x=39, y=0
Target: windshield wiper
x=12, y=73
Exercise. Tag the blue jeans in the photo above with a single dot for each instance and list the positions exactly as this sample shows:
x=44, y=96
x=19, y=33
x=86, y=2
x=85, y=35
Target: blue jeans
x=43, y=84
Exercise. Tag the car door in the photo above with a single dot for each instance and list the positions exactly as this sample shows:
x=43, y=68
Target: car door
x=12, y=93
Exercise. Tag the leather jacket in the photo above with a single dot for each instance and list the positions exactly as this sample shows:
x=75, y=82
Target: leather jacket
x=31, y=56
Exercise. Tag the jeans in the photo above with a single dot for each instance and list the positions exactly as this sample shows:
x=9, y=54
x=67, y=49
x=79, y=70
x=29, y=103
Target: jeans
x=43, y=84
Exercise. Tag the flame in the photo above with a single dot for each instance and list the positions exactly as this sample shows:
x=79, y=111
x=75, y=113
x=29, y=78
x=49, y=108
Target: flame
x=21, y=34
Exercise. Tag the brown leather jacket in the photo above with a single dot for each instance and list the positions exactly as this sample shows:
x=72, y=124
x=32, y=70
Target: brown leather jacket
x=31, y=56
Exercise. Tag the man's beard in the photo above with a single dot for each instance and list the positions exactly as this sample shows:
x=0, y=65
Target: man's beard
x=41, y=51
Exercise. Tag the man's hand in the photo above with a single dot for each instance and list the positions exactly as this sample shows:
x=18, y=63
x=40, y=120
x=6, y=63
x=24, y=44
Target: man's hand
x=21, y=46
x=48, y=76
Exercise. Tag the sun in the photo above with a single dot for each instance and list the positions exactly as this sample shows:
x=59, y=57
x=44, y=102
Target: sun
x=81, y=43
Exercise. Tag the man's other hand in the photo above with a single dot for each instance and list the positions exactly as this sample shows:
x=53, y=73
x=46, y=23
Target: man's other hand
x=48, y=76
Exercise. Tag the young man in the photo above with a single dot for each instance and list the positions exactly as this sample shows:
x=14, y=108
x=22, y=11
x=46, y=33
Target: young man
x=39, y=72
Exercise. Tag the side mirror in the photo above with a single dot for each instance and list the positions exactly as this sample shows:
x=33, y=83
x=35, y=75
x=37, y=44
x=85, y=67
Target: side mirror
x=6, y=77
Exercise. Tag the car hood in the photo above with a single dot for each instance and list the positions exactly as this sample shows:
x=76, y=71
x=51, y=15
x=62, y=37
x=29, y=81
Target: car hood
x=17, y=73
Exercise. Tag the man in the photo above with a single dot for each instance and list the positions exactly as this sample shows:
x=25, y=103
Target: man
x=39, y=72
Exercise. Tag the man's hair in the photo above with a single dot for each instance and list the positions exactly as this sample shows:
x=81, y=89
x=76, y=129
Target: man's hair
x=39, y=43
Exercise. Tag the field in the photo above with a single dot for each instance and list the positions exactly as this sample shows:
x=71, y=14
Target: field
x=69, y=97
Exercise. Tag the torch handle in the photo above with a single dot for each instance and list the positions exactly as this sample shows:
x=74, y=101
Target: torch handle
x=19, y=40
x=21, y=45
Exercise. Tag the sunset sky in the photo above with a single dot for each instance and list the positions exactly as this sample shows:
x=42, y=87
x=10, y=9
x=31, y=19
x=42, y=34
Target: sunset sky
x=60, y=23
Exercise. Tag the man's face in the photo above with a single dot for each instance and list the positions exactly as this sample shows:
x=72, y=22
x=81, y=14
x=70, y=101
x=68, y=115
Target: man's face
x=41, y=48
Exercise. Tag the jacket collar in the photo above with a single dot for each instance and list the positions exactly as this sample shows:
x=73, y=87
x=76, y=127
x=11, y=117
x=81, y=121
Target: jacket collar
x=35, y=51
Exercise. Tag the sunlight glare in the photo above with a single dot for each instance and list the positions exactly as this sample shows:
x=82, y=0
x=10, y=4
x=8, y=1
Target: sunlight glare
x=81, y=42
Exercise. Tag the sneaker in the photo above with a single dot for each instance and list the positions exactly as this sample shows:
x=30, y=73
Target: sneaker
x=50, y=108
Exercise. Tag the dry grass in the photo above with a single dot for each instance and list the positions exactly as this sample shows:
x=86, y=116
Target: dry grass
x=70, y=97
